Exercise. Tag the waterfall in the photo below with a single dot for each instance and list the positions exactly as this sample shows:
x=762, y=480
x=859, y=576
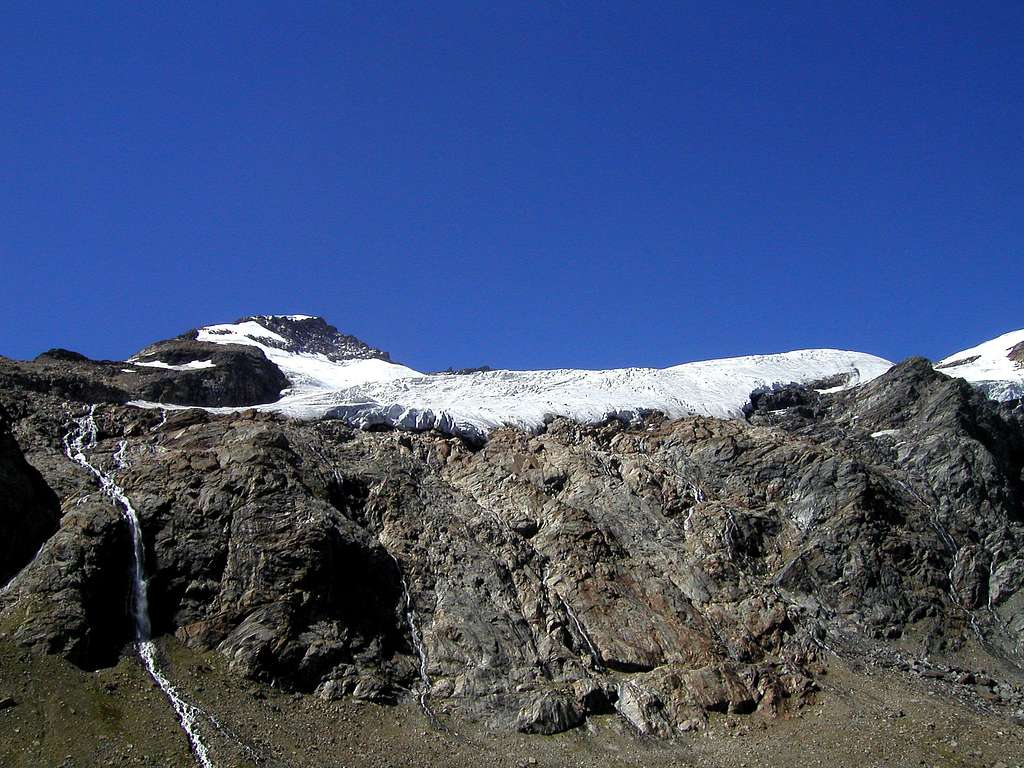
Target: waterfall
x=417, y=641
x=76, y=442
x=595, y=656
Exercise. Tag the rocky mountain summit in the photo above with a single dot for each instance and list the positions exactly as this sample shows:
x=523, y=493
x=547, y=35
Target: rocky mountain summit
x=292, y=333
x=649, y=575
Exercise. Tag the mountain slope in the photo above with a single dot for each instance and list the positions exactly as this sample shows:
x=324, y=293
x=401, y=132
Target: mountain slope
x=996, y=367
x=661, y=578
x=848, y=544
x=365, y=389
x=312, y=354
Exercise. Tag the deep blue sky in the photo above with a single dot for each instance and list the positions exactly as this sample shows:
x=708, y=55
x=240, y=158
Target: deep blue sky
x=526, y=185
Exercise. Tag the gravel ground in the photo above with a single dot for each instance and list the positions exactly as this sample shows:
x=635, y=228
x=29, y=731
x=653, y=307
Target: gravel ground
x=63, y=716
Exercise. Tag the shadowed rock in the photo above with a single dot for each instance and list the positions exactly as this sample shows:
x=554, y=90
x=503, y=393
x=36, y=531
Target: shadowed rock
x=667, y=570
x=29, y=509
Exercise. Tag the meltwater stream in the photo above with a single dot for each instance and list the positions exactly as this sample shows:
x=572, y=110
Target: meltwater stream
x=76, y=442
x=417, y=642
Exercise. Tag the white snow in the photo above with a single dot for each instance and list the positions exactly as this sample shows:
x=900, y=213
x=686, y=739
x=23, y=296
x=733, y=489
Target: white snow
x=305, y=371
x=367, y=392
x=832, y=390
x=250, y=332
x=479, y=402
x=993, y=371
x=194, y=365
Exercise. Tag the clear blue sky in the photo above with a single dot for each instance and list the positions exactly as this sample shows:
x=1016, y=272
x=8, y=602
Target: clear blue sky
x=520, y=184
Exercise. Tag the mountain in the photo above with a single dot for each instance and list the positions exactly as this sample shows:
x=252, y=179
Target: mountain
x=295, y=334
x=995, y=367
x=336, y=376
x=308, y=351
x=806, y=558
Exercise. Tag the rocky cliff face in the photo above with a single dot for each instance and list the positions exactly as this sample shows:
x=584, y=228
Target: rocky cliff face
x=29, y=509
x=300, y=334
x=235, y=375
x=230, y=376
x=663, y=571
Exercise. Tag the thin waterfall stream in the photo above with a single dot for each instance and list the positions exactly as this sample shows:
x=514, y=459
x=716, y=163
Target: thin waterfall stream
x=417, y=642
x=76, y=442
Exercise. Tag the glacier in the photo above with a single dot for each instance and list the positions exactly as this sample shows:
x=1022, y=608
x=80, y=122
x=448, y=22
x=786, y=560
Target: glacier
x=991, y=366
x=376, y=392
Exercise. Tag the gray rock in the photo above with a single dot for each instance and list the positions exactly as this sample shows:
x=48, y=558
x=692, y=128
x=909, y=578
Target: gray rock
x=549, y=712
x=661, y=569
x=29, y=509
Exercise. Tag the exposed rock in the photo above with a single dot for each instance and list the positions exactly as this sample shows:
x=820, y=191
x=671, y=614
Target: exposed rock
x=29, y=509
x=594, y=697
x=310, y=335
x=65, y=355
x=238, y=375
x=1017, y=354
x=643, y=710
x=466, y=371
x=72, y=599
x=68, y=376
x=670, y=571
x=550, y=712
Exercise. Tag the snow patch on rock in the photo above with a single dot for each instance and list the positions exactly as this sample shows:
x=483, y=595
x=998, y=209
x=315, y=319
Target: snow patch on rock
x=373, y=392
x=305, y=371
x=989, y=367
x=194, y=365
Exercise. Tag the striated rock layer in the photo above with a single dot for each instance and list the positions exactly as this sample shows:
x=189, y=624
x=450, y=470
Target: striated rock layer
x=661, y=570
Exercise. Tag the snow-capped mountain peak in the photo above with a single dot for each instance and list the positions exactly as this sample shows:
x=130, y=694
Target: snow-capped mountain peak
x=334, y=375
x=301, y=334
x=996, y=366
x=312, y=354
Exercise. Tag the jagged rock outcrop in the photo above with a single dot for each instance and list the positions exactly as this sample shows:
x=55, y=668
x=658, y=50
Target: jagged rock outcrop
x=73, y=598
x=664, y=570
x=29, y=509
x=294, y=333
x=237, y=375
x=67, y=375
x=950, y=510
x=233, y=376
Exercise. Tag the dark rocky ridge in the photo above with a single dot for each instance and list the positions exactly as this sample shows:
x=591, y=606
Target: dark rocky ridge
x=310, y=335
x=669, y=570
x=241, y=376
x=958, y=363
x=1017, y=354
x=29, y=509
x=465, y=371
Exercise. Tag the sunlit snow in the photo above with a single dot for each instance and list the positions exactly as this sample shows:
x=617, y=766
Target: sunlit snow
x=989, y=367
x=194, y=365
x=369, y=392
x=305, y=371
